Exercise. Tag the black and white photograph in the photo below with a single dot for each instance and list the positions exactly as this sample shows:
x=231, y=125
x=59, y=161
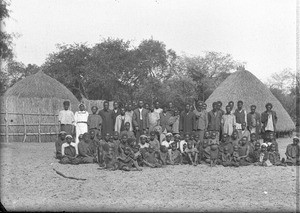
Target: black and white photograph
x=150, y=105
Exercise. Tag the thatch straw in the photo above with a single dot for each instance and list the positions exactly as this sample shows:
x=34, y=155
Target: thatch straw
x=243, y=85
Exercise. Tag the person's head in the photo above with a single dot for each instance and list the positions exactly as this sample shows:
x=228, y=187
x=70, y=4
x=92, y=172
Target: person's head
x=107, y=136
x=244, y=140
x=69, y=139
x=86, y=137
x=219, y=106
x=116, y=105
x=173, y=146
x=253, y=108
x=129, y=107
x=127, y=150
x=235, y=148
x=269, y=106
x=94, y=109
x=271, y=135
x=240, y=105
x=170, y=105
x=295, y=140
x=257, y=146
x=165, y=109
x=116, y=135
x=234, y=135
x=168, y=137
x=244, y=124
x=152, y=108
x=176, y=138
x=228, y=109
x=204, y=106
x=163, y=149
x=136, y=148
x=190, y=145
x=215, y=106
x=187, y=107
x=66, y=105
x=196, y=137
x=152, y=135
x=122, y=111
x=81, y=107
x=131, y=142
x=192, y=137
x=253, y=137
x=111, y=138
x=127, y=126
x=273, y=148
x=156, y=104
x=206, y=134
x=141, y=104
x=106, y=105
x=176, y=112
x=143, y=139
x=226, y=150
x=80, y=137
x=213, y=135
x=62, y=135
x=187, y=137
x=224, y=137
x=124, y=138
x=92, y=134
x=147, y=106
x=231, y=104
x=99, y=136
x=263, y=148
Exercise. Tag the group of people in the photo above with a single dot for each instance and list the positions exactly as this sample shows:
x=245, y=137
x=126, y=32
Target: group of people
x=126, y=138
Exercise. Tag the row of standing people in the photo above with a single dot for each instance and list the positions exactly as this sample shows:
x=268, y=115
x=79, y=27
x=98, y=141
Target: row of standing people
x=145, y=118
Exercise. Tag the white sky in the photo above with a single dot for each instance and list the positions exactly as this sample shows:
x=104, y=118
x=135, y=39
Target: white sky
x=260, y=32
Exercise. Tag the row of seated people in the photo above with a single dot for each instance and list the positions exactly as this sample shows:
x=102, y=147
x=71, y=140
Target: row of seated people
x=121, y=152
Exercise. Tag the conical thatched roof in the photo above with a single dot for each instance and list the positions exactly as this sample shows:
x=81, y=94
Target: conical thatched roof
x=41, y=86
x=243, y=85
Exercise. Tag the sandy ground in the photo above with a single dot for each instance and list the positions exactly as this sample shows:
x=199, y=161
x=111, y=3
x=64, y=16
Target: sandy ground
x=29, y=183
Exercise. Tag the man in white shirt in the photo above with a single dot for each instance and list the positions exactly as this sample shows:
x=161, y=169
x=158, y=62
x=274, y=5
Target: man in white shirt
x=66, y=119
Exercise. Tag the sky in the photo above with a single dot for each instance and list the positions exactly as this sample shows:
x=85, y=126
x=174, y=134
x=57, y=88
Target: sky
x=261, y=33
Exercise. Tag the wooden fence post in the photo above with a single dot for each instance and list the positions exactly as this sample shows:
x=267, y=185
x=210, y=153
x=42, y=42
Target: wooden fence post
x=39, y=136
x=24, y=122
x=6, y=122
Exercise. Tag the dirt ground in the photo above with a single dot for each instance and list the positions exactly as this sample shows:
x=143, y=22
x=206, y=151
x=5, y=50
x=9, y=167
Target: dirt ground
x=29, y=183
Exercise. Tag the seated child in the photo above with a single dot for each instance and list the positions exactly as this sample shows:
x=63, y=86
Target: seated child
x=167, y=141
x=274, y=157
x=293, y=152
x=58, y=144
x=69, y=153
x=225, y=158
x=272, y=140
x=254, y=155
x=235, y=156
x=183, y=142
x=127, y=131
x=204, y=146
x=263, y=156
x=122, y=144
x=143, y=142
x=235, y=138
x=127, y=161
x=154, y=142
x=150, y=158
x=244, y=159
x=174, y=155
x=214, y=154
x=110, y=158
x=116, y=139
x=163, y=154
x=213, y=141
x=192, y=153
x=137, y=155
x=225, y=143
x=252, y=142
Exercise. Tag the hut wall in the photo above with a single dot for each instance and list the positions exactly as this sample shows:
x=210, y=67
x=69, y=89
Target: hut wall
x=39, y=115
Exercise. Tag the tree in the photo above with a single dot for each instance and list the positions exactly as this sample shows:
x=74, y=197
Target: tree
x=5, y=38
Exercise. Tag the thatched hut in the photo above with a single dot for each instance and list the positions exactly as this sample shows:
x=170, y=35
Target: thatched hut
x=243, y=85
x=31, y=106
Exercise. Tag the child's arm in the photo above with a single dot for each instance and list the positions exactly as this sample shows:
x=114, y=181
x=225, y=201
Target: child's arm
x=148, y=164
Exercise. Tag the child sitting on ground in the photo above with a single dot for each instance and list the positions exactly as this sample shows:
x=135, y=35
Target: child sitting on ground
x=127, y=131
x=69, y=153
x=212, y=142
x=225, y=158
x=154, y=142
x=163, y=154
x=192, y=153
x=244, y=152
x=214, y=154
x=126, y=162
x=174, y=155
x=293, y=152
x=274, y=157
x=263, y=156
x=151, y=158
x=235, y=156
x=254, y=155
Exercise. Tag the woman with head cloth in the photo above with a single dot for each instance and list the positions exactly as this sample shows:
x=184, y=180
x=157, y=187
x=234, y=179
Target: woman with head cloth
x=81, y=118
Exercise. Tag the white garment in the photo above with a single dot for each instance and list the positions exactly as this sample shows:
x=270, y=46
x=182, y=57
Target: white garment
x=64, y=145
x=270, y=126
x=158, y=110
x=81, y=128
x=166, y=143
x=141, y=115
x=181, y=143
x=146, y=145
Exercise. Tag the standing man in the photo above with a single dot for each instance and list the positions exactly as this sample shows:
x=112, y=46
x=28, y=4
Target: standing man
x=95, y=121
x=157, y=108
x=66, y=119
x=164, y=123
x=228, y=122
x=107, y=119
x=253, y=121
x=140, y=120
x=201, y=121
x=115, y=111
x=240, y=116
x=121, y=120
x=129, y=111
x=214, y=120
x=187, y=121
x=153, y=118
x=268, y=120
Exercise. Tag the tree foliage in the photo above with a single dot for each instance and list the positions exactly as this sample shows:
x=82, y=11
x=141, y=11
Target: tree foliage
x=5, y=38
